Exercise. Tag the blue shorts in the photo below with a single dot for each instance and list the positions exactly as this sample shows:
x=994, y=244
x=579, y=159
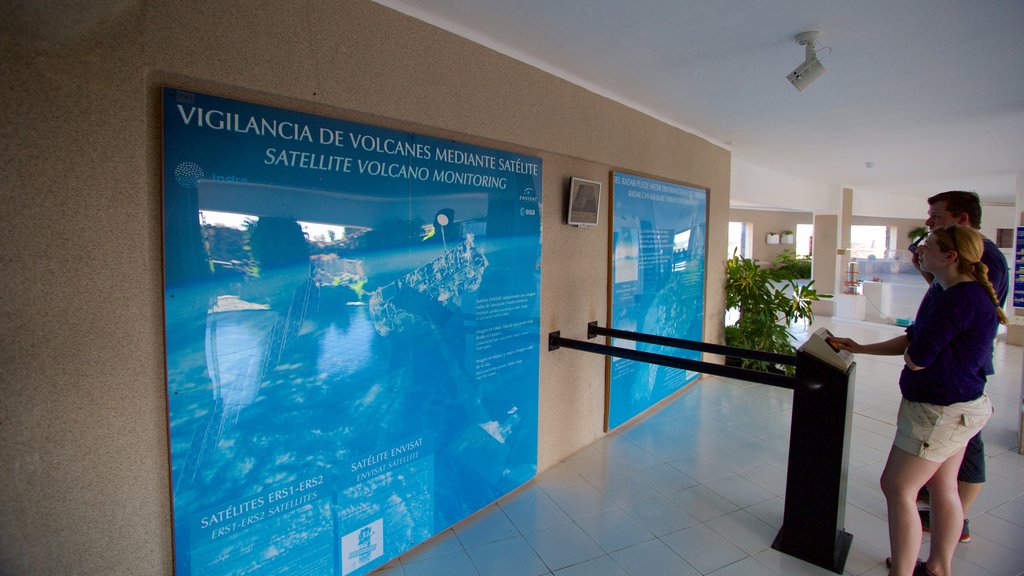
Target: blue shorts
x=972, y=469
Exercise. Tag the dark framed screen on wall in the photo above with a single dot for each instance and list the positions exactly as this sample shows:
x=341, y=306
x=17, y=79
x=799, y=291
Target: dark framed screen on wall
x=659, y=232
x=352, y=328
x=584, y=202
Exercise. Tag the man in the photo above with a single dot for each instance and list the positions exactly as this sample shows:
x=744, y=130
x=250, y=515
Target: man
x=946, y=209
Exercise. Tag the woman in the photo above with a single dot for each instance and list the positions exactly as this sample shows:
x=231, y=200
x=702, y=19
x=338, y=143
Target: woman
x=944, y=402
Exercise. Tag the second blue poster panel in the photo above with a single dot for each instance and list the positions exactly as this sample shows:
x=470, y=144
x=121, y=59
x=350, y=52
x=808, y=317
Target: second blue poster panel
x=658, y=240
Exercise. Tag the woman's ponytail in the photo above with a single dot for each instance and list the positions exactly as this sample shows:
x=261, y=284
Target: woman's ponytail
x=980, y=273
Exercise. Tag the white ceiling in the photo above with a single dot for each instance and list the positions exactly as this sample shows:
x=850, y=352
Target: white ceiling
x=930, y=91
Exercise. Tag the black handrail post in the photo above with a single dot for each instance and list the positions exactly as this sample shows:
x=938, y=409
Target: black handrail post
x=819, y=454
x=553, y=338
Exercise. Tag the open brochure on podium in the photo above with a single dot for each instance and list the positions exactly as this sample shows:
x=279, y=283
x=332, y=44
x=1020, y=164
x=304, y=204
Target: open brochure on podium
x=818, y=346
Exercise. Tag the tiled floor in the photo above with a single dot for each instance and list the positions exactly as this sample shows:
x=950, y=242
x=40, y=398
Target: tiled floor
x=697, y=488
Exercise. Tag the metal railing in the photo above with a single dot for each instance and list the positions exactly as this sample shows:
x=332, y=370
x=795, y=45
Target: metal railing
x=556, y=341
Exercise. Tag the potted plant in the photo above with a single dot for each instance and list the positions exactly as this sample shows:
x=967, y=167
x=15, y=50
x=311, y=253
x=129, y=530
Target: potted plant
x=767, y=305
x=917, y=233
x=788, y=237
x=772, y=238
x=788, y=266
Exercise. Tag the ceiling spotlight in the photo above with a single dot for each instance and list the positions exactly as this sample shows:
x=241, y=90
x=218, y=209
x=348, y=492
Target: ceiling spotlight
x=811, y=69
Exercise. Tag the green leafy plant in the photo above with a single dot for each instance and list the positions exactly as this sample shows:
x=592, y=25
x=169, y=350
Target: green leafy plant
x=767, y=305
x=916, y=233
x=788, y=266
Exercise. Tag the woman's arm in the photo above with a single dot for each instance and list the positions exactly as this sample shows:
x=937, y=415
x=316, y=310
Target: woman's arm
x=894, y=347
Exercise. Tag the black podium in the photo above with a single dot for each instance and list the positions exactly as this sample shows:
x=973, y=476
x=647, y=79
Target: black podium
x=819, y=452
x=819, y=444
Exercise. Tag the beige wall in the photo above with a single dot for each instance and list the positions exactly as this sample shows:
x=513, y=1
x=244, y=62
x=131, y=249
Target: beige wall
x=765, y=221
x=84, y=483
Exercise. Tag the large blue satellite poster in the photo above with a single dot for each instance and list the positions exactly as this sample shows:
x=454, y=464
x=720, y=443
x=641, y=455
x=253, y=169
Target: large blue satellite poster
x=658, y=239
x=352, y=332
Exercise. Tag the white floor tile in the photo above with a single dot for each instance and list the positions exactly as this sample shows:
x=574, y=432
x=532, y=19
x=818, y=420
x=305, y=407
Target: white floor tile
x=443, y=544
x=745, y=530
x=581, y=500
x=998, y=530
x=559, y=477
x=563, y=545
x=490, y=525
x=512, y=557
x=1012, y=511
x=703, y=548
x=665, y=478
x=869, y=528
x=652, y=558
x=740, y=491
x=785, y=565
x=862, y=495
x=393, y=568
x=996, y=493
x=746, y=567
x=625, y=490
x=700, y=468
x=596, y=467
x=702, y=502
x=454, y=564
x=660, y=515
x=991, y=556
x=961, y=566
x=601, y=566
x=768, y=477
x=769, y=512
x=1008, y=465
x=531, y=510
x=614, y=530
x=864, y=557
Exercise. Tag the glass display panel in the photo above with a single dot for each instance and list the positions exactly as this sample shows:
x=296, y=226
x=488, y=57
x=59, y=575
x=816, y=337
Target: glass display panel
x=352, y=333
x=659, y=236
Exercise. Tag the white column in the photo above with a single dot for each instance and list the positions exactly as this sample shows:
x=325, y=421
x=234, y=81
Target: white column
x=845, y=220
x=823, y=261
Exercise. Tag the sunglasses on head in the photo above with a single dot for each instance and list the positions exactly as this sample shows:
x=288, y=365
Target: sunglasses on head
x=951, y=231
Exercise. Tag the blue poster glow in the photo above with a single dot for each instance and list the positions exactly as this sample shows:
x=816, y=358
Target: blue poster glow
x=352, y=329
x=1018, y=270
x=658, y=239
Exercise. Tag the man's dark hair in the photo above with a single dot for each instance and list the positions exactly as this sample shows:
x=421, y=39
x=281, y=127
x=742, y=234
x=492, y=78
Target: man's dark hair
x=959, y=202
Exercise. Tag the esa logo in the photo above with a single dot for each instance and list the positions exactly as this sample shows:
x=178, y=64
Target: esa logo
x=529, y=196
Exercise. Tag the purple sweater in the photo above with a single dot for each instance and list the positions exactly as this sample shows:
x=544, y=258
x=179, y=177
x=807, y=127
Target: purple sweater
x=952, y=339
x=998, y=273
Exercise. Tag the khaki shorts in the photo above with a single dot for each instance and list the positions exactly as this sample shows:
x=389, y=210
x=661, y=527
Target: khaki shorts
x=934, y=432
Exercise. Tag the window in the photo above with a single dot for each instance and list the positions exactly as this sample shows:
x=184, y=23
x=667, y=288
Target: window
x=804, y=239
x=869, y=242
x=1004, y=237
x=740, y=239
